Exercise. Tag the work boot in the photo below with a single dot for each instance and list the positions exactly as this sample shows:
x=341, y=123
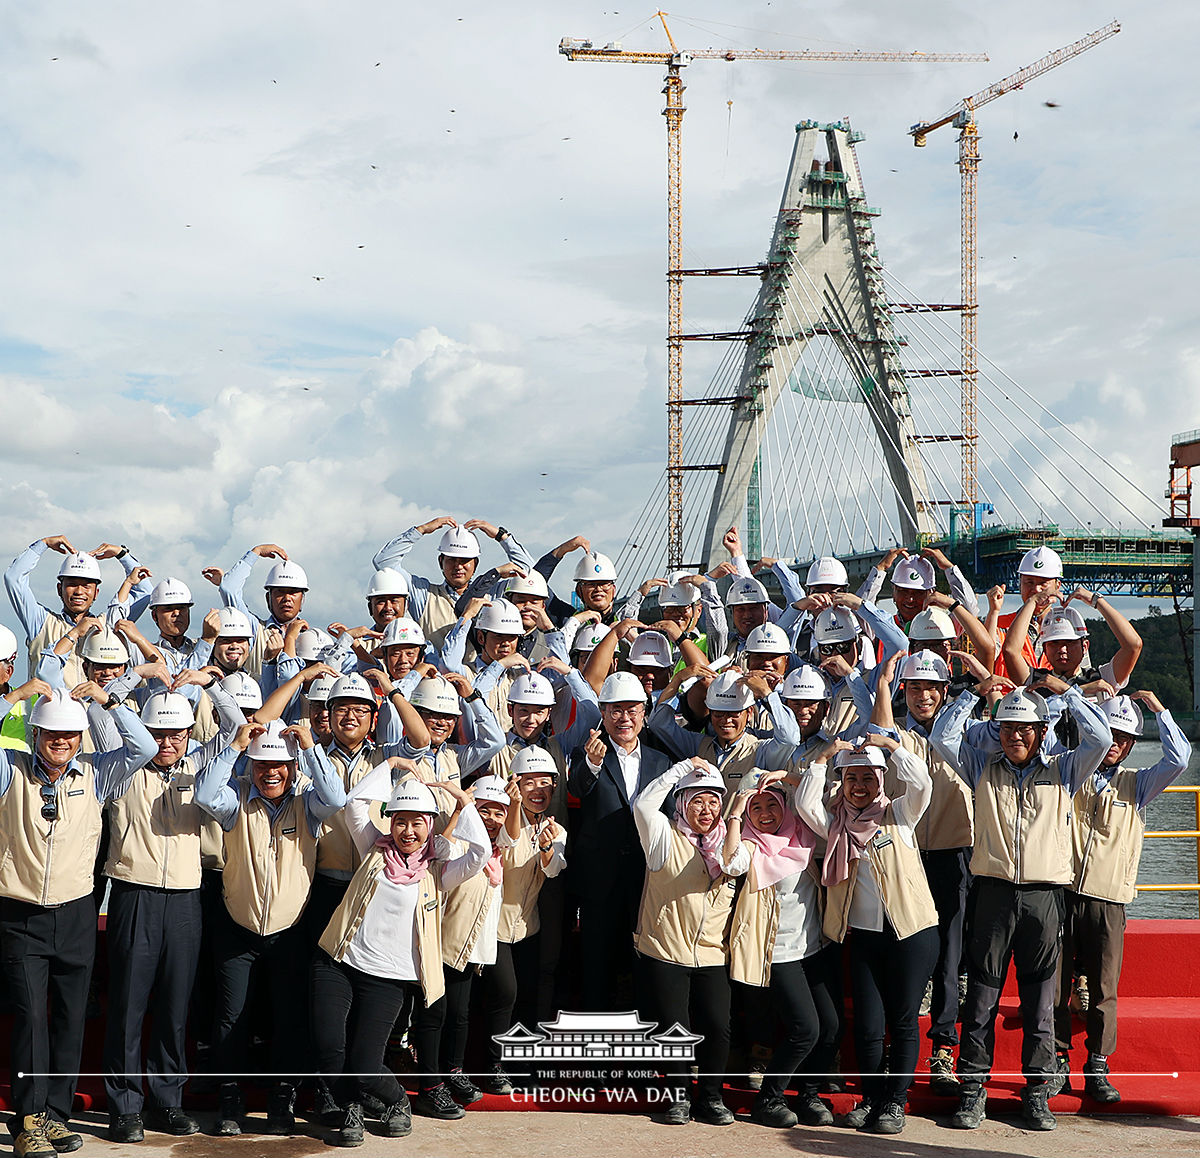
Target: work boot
x=889, y=1120
x=496, y=1081
x=125, y=1128
x=61, y=1137
x=32, y=1142
x=712, y=1112
x=325, y=1106
x=1035, y=1108
x=437, y=1103
x=813, y=1111
x=771, y=1110
x=172, y=1120
x=229, y=1112
x=863, y=1113
x=352, y=1131
x=942, y=1079
x=1061, y=1078
x=972, y=1106
x=281, y=1107
x=397, y=1118
x=464, y=1090
x=1095, y=1081
x=678, y=1114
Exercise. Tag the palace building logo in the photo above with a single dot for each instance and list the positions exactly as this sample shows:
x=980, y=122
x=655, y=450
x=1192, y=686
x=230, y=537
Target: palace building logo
x=597, y=1037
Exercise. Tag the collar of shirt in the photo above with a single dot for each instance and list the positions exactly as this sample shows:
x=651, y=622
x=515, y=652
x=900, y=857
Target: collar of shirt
x=335, y=748
x=915, y=726
x=275, y=805
x=40, y=774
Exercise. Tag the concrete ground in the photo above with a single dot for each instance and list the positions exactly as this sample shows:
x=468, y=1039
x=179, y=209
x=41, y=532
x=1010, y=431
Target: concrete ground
x=612, y=1135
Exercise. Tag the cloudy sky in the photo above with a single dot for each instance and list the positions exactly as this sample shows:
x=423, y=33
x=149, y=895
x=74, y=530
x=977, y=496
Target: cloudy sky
x=311, y=272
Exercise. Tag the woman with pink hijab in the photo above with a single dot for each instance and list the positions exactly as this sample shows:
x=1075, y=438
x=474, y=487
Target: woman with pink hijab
x=875, y=885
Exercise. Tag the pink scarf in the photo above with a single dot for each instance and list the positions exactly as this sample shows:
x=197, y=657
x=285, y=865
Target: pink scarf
x=405, y=872
x=781, y=853
x=709, y=844
x=850, y=833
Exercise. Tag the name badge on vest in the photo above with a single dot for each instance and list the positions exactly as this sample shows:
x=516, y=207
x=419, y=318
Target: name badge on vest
x=881, y=841
x=430, y=906
x=183, y=788
x=735, y=775
x=1120, y=803
x=76, y=792
x=289, y=831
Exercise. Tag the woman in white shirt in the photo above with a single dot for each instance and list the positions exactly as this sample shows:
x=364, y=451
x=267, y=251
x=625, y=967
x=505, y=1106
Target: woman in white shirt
x=383, y=943
x=875, y=885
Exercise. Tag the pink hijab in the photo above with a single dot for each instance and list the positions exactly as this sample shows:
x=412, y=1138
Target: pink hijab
x=405, y=872
x=781, y=853
x=711, y=843
x=851, y=831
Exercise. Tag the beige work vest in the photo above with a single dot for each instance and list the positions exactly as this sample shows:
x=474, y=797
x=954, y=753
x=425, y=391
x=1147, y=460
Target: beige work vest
x=335, y=848
x=946, y=823
x=1022, y=835
x=739, y=764
x=523, y=880
x=438, y=617
x=52, y=631
x=755, y=926
x=1106, y=838
x=464, y=916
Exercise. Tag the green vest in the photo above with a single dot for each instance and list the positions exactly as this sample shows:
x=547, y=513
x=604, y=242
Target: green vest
x=12, y=729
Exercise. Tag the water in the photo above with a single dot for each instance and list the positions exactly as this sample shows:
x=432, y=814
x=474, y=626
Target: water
x=1167, y=860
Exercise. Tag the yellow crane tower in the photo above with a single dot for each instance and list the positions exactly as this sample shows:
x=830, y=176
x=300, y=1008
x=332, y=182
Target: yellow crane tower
x=674, y=61
x=962, y=117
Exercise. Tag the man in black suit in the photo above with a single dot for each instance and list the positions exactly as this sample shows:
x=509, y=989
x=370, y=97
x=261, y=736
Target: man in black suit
x=606, y=865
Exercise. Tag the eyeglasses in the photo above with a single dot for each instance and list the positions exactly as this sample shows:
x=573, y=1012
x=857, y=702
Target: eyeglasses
x=1017, y=729
x=597, y=583
x=630, y=713
x=354, y=711
x=49, y=803
x=843, y=648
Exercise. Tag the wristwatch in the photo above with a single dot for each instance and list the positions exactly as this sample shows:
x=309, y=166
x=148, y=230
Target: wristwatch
x=122, y=552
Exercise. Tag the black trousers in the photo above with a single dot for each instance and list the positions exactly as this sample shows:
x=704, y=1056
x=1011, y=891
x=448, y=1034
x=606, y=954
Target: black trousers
x=606, y=925
x=353, y=1014
x=204, y=988
x=510, y=989
x=800, y=1003
x=1021, y=924
x=47, y=954
x=887, y=980
x=949, y=875
x=698, y=999
x=153, y=947
x=456, y=1027
x=552, y=914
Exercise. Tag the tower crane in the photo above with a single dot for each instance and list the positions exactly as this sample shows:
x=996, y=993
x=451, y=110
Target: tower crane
x=962, y=117
x=674, y=61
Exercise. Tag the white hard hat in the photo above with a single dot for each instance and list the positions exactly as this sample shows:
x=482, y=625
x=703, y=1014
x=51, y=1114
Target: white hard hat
x=588, y=636
x=531, y=584
x=826, y=572
x=917, y=574
x=352, y=687
x=387, y=581
x=233, y=624
x=1021, y=706
x=868, y=757
x=925, y=665
x=652, y=649
x=501, y=617
x=622, y=687
x=489, y=789
x=932, y=623
x=533, y=761
x=835, y=625
x=403, y=632
x=168, y=710
x=103, y=645
x=458, y=543
x=727, y=693
x=701, y=780
x=1060, y=626
x=768, y=639
x=805, y=682
x=436, y=695
x=594, y=567
x=57, y=712
x=310, y=643
x=1123, y=714
x=243, y=689
x=318, y=691
x=171, y=593
x=531, y=688
x=1042, y=562
x=8, y=643
x=745, y=589
x=285, y=573
x=80, y=566
x=413, y=795
x=272, y=745
x=677, y=594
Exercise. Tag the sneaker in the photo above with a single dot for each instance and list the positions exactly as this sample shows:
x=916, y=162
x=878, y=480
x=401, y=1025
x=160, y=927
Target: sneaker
x=464, y=1090
x=1061, y=1078
x=770, y=1110
x=125, y=1128
x=229, y=1112
x=889, y=1120
x=352, y=1131
x=678, y=1114
x=1096, y=1084
x=281, y=1110
x=972, y=1107
x=497, y=1081
x=397, y=1119
x=62, y=1138
x=926, y=1000
x=863, y=1113
x=712, y=1112
x=942, y=1079
x=373, y=1107
x=813, y=1111
x=437, y=1103
x=172, y=1120
x=1035, y=1108
x=32, y=1142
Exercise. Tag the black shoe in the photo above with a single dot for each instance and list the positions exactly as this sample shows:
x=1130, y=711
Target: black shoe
x=352, y=1131
x=712, y=1112
x=1035, y=1109
x=397, y=1119
x=497, y=1081
x=281, y=1106
x=1061, y=1078
x=972, y=1107
x=172, y=1120
x=889, y=1120
x=231, y=1109
x=126, y=1128
x=770, y=1110
x=464, y=1090
x=863, y=1113
x=437, y=1103
x=373, y=1107
x=325, y=1107
x=1096, y=1084
x=678, y=1114
x=813, y=1111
